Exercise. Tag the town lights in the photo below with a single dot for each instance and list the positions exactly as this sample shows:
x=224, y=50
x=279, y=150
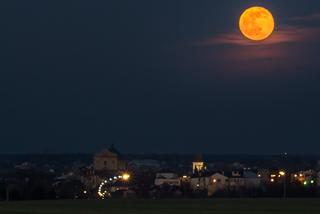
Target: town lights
x=282, y=173
x=103, y=191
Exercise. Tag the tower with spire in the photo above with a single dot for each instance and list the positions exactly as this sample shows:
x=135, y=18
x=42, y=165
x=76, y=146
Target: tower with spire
x=198, y=164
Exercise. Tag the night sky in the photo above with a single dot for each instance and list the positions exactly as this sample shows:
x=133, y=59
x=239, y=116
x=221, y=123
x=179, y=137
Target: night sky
x=163, y=76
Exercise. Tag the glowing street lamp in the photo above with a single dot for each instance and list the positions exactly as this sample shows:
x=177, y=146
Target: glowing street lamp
x=125, y=176
x=282, y=173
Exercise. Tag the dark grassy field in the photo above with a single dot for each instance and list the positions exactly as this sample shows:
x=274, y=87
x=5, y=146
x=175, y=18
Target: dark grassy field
x=218, y=206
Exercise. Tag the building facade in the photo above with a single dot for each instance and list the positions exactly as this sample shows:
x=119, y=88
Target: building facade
x=109, y=160
x=167, y=178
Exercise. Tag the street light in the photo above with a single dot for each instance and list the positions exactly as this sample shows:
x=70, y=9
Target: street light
x=282, y=173
x=125, y=176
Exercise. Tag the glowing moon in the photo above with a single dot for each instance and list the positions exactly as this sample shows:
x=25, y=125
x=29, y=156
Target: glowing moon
x=256, y=23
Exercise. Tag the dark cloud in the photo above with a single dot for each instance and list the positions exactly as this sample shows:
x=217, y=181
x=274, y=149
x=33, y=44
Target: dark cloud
x=290, y=46
x=284, y=34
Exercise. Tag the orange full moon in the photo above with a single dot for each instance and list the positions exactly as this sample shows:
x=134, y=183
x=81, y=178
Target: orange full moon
x=256, y=23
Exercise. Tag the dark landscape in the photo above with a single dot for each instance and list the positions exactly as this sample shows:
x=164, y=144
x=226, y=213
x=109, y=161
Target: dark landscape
x=203, y=206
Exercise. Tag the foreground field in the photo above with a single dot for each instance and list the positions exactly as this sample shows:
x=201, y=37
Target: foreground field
x=223, y=206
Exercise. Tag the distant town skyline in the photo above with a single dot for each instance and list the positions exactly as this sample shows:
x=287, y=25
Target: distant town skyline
x=158, y=77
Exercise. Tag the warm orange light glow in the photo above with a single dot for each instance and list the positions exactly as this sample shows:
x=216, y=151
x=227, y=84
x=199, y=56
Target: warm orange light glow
x=125, y=176
x=282, y=173
x=256, y=23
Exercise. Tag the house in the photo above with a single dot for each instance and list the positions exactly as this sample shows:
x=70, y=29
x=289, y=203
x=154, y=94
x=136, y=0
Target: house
x=200, y=181
x=304, y=177
x=252, y=180
x=167, y=178
x=109, y=160
x=264, y=175
x=218, y=181
x=236, y=179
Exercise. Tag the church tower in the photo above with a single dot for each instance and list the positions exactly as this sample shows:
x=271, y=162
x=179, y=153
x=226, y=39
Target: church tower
x=198, y=164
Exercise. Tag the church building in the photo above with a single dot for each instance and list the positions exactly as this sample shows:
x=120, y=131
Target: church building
x=110, y=160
